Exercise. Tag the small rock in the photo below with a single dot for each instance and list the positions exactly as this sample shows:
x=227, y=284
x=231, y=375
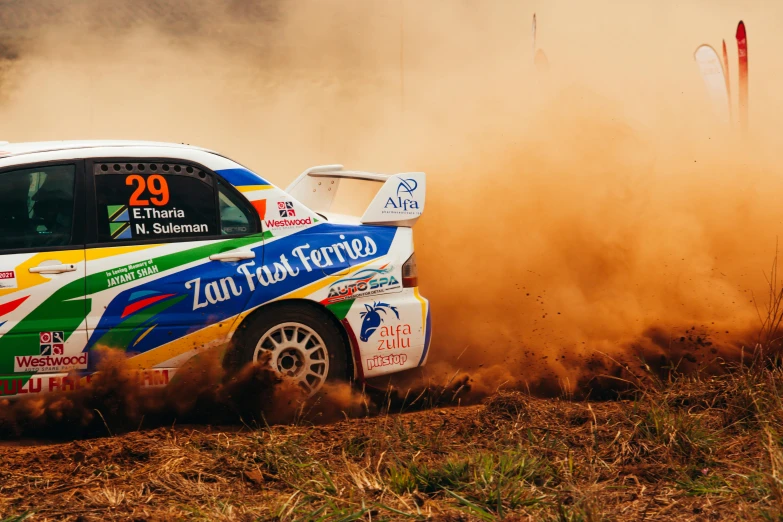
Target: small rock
x=78, y=456
x=253, y=476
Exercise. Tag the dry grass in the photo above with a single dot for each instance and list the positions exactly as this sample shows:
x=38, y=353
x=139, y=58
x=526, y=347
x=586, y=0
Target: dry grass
x=685, y=449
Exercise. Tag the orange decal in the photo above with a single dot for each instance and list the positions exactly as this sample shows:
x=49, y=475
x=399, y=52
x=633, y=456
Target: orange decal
x=134, y=199
x=155, y=184
x=158, y=187
x=260, y=206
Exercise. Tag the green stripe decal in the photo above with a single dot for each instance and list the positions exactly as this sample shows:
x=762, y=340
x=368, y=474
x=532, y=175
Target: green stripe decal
x=68, y=307
x=340, y=309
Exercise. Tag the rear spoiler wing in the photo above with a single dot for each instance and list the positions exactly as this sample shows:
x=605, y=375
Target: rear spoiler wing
x=399, y=202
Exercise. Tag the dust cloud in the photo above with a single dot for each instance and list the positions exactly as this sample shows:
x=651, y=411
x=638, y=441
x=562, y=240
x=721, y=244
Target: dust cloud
x=113, y=401
x=591, y=216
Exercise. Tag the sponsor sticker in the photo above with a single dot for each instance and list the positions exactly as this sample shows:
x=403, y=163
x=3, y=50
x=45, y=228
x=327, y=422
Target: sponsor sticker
x=369, y=281
x=405, y=202
x=63, y=383
x=131, y=272
x=303, y=258
x=153, y=378
x=20, y=386
x=386, y=360
x=51, y=358
x=7, y=279
x=287, y=217
x=393, y=337
x=288, y=223
x=376, y=327
x=286, y=209
x=50, y=363
x=51, y=343
x=373, y=317
x=67, y=383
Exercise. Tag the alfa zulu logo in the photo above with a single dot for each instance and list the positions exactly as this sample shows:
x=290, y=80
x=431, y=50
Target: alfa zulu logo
x=51, y=343
x=286, y=209
x=391, y=337
x=372, y=318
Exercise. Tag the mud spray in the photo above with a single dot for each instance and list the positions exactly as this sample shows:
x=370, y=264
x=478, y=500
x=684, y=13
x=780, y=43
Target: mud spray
x=594, y=216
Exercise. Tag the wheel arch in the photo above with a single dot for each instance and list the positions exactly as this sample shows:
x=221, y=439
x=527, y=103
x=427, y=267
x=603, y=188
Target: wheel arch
x=350, y=344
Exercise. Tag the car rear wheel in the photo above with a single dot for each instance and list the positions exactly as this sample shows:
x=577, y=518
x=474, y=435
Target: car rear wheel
x=303, y=343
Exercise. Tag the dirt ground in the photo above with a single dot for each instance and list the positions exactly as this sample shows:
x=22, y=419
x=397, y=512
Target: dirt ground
x=684, y=449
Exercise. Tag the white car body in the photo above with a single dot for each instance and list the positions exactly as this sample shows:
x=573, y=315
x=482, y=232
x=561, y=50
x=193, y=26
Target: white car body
x=163, y=278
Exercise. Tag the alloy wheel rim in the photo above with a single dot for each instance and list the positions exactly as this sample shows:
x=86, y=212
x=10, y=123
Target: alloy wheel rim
x=297, y=353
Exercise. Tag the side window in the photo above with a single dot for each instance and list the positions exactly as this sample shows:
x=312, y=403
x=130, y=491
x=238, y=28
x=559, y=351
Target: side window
x=36, y=207
x=153, y=201
x=234, y=213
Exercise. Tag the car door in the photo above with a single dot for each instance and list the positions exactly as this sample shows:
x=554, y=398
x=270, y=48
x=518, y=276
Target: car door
x=42, y=269
x=168, y=237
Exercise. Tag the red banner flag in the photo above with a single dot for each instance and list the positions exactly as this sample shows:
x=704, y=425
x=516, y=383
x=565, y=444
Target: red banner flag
x=742, y=51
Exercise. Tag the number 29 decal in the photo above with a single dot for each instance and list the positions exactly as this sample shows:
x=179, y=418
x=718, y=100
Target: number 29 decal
x=155, y=185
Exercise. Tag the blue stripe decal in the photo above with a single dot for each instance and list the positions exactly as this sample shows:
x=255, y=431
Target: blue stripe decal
x=242, y=177
x=427, y=335
x=211, y=292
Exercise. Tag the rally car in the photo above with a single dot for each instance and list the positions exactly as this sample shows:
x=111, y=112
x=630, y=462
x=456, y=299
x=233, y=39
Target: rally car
x=166, y=250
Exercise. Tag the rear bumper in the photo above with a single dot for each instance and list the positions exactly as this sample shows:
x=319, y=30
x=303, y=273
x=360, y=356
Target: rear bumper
x=392, y=332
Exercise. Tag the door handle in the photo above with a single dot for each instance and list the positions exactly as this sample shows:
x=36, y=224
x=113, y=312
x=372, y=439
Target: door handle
x=52, y=269
x=233, y=256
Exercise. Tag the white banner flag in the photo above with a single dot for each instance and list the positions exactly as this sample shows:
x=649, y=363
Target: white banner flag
x=711, y=69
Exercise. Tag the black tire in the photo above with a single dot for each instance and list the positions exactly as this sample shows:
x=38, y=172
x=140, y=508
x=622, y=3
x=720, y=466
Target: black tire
x=267, y=321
